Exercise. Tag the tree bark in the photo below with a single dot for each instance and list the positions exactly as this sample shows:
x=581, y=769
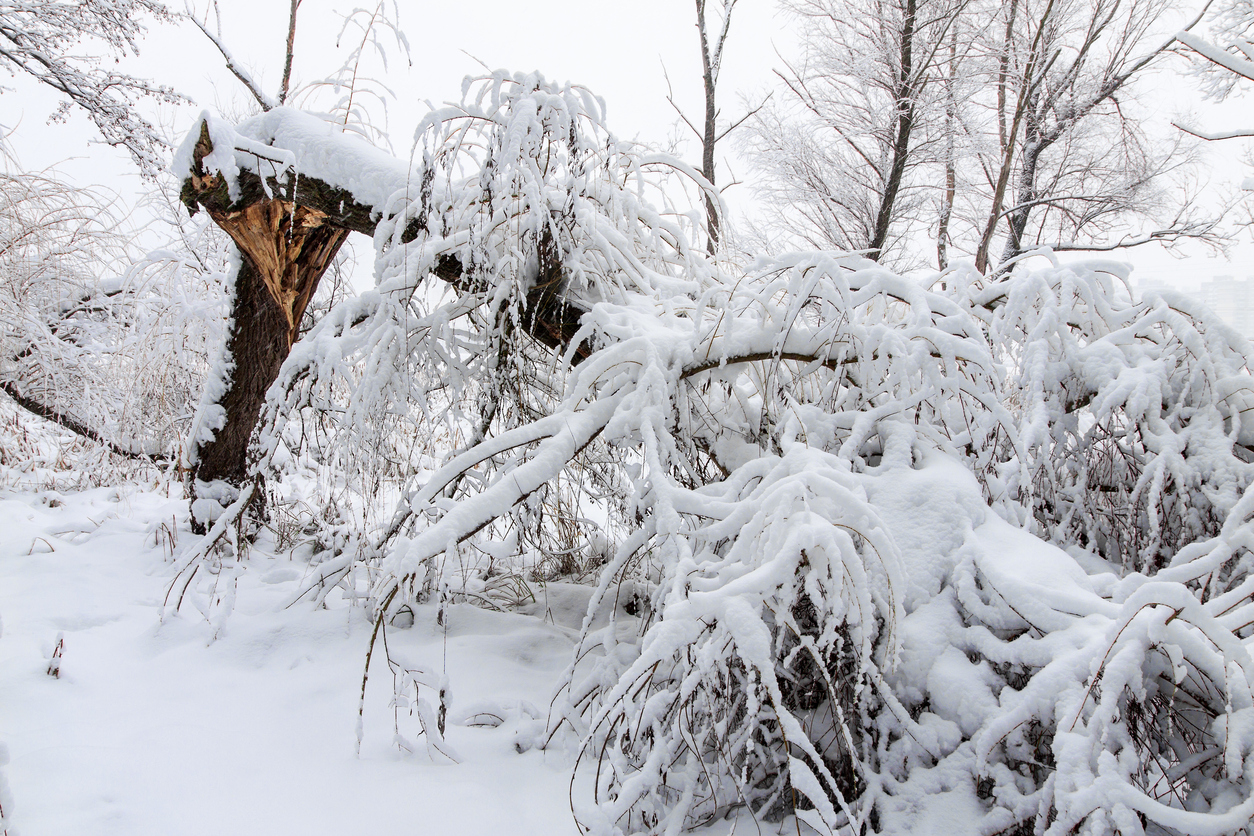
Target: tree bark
x=710, y=136
x=256, y=346
x=905, y=93
x=951, y=167
x=1017, y=221
x=281, y=262
x=284, y=249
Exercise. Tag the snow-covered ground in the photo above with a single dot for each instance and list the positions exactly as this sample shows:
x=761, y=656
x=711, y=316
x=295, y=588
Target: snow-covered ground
x=158, y=727
x=164, y=726
x=173, y=725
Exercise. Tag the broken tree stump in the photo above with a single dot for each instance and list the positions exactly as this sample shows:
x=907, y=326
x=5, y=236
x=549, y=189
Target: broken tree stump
x=284, y=250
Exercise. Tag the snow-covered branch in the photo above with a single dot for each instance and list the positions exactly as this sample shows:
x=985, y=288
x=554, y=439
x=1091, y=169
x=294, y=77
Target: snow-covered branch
x=39, y=40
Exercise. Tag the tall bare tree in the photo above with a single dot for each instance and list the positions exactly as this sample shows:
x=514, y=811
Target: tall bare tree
x=712, y=29
x=1010, y=124
x=844, y=149
x=1072, y=161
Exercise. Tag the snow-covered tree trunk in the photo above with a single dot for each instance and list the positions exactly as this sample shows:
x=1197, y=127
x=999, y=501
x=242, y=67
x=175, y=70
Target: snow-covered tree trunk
x=283, y=250
x=255, y=348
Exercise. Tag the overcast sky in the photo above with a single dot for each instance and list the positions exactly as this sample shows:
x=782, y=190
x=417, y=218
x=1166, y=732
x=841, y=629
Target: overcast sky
x=616, y=49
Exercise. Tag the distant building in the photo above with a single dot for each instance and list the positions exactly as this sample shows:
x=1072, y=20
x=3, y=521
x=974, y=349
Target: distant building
x=1228, y=296
x=1232, y=299
x=1155, y=284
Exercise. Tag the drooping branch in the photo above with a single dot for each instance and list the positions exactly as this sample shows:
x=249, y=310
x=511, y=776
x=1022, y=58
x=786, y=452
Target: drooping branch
x=45, y=41
x=36, y=402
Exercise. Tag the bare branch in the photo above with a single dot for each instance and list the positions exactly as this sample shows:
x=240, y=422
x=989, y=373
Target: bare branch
x=42, y=41
x=62, y=419
x=287, y=59
x=236, y=70
x=1215, y=136
x=744, y=118
x=670, y=99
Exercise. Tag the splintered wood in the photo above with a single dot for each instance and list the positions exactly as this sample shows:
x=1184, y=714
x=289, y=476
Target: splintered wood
x=290, y=246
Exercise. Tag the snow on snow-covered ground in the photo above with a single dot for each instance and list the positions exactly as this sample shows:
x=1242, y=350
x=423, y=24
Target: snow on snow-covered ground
x=160, y=728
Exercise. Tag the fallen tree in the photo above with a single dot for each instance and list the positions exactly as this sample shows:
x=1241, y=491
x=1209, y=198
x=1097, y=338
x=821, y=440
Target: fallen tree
x=977, y=558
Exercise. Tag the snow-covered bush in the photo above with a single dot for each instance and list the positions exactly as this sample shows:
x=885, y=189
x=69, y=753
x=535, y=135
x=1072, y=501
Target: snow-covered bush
x=111, y=346
x=1131, y=415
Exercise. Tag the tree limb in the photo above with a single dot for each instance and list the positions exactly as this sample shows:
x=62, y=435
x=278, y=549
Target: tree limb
x=291, y=50
x=1217, y=136
x=59, y=418
x=239, y=72
x=1201, y=231
x=550, y=316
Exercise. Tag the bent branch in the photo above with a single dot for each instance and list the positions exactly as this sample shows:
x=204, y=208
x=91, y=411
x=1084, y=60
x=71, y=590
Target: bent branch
x=48, y=413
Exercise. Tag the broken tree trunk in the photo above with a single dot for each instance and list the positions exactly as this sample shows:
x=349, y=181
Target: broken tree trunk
x=288, y=229
x=284, y=249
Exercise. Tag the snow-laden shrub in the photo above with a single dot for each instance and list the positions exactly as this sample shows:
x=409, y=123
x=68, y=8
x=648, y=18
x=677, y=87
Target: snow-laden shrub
x=1132, y=416
x=777, y=591
x=760, y=677
x=109, y=346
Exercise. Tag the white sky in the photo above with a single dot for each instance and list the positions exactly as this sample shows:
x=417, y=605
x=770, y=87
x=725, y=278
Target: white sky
x=616, y=49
